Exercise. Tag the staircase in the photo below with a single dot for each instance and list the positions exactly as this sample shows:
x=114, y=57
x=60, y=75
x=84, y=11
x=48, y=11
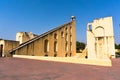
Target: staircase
x=82, y=55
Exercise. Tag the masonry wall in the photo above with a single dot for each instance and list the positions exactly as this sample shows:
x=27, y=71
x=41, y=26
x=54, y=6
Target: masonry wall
x=59, y=43
x=100, y=38
x=91, y=45
x=7, y=46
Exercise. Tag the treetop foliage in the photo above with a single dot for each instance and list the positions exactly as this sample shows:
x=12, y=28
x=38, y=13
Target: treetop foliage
x=117, y=46
x=80, y=46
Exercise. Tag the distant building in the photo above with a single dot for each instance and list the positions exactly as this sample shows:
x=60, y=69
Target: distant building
x=6, y=46
x=24, y=36
x=58, y=42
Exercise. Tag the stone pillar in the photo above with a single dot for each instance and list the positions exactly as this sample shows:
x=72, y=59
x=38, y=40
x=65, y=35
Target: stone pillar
x=105, y=55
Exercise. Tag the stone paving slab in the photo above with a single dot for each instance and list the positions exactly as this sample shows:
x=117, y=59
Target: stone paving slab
x=29, y=69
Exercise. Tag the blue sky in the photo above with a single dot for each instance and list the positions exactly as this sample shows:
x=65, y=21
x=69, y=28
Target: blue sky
x=39, y=16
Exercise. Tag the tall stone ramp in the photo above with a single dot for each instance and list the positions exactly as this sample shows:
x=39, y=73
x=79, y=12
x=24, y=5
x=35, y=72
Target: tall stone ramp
x=57, y=42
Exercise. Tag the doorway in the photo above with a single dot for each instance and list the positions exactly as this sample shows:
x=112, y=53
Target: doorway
x=1, y=50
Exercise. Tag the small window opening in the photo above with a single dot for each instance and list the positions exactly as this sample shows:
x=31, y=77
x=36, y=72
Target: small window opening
x=90, y=27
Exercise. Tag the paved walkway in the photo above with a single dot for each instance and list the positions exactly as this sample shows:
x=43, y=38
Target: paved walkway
x=28, y=69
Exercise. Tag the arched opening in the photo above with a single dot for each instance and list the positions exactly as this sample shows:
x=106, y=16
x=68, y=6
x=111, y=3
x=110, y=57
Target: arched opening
x=100, y=47
x=46, y=55
x=70, y=46
x=66, y=37
x=71, y=29
x=66, y=47
x=55, y=55
x=46, y=46
x=55, y=47
x=70, y=54
x=99, y=31
x=1, y=50
x=71, y=38
x=66, y=29
x=100, y=41
x=66, y=55
x=55, y=36
x=62, y=34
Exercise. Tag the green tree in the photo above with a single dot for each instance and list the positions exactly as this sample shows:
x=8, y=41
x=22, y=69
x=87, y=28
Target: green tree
x=117, y=46
x=80, y=46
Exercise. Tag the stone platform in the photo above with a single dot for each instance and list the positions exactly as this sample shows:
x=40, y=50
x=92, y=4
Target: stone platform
x=105, y=62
